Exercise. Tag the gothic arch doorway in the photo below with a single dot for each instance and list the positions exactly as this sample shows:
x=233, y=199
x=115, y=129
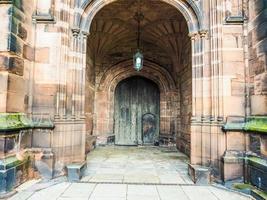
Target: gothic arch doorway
x=172, y=49
x=136, y=114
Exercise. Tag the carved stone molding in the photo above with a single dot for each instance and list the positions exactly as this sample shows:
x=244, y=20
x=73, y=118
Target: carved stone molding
x=45, y=17
x=6, y=1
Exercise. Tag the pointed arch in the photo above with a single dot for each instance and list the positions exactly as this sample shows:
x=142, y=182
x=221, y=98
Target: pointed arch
x=85, y=13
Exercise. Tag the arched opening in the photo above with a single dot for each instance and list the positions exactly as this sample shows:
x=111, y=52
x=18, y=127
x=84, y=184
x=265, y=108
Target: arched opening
x=136, y=112
x=167, y=61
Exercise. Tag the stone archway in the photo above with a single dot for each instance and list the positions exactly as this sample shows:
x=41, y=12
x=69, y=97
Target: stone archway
x=85, y=13
x=104, y=104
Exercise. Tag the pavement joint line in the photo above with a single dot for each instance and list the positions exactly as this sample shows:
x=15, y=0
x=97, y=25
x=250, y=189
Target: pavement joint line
x=185, y=193
x=213, y=193
x=158, y=192
x=92, y=191
x=126, y=192
x=136, y=183
x=64, y=190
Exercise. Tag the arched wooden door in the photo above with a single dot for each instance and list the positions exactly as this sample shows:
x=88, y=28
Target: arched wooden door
x=136, y=100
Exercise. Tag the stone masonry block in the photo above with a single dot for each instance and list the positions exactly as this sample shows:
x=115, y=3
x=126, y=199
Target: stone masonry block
x=14, y=65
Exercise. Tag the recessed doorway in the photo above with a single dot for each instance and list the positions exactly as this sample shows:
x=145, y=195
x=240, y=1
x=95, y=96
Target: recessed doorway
x=137, y=108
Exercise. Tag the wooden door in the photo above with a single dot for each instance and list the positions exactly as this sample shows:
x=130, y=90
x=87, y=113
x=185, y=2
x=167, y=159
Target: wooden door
x=149, y=123
x=134, y=98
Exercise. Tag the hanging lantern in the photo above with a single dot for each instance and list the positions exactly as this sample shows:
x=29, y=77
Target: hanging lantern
x=138, y=57
x=138, y=60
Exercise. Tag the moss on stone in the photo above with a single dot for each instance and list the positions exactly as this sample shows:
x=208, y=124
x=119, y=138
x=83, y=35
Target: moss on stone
x=258, y=160
x=256, y=124
x=260, y=193
x=14, y=121
x=19, y=121
x=242, y=186
x=253, y=124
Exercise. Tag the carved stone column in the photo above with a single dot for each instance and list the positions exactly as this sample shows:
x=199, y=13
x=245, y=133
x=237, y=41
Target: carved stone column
x=193, y=52
x=206, y=111
x=73, y=71
x=78, y=71
x=83, y=74
x=196, y=142
x=197, y=75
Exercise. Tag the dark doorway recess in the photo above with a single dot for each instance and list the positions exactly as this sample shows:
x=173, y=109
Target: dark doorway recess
x=137, y=110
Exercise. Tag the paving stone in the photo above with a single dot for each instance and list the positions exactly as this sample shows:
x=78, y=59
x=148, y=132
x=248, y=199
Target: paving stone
x=142, y=197
x=198, y=193
x=78, y=190
x=115, y=178
x=23, y=195
x=110, y=190
x=141, y=178
x=71, y=198
x=145, y=190
x=107, y=198
x=142, y=166
x=86, y=178
x=171, y=179
x=51, y=193
x=171, y=193
x=136, y=165
x=227, y=195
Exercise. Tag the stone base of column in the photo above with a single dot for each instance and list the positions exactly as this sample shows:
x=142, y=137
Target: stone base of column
x=233, y=165
x=199, y=174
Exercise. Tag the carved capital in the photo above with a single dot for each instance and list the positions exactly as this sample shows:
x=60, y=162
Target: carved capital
x=203, y=33
x=193, y=36
x=85, y=34
x=75, y=31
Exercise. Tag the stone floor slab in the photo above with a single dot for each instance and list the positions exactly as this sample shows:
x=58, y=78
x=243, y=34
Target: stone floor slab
x=153, y=165
x=222, y=194
x=89, y=191
x=110, y=190
x=78, y=190
x=141, y=174
x=199, y=193
x=171, y=193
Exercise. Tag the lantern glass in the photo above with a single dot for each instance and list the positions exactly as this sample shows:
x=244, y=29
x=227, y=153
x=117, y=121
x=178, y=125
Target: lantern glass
x=138, y=60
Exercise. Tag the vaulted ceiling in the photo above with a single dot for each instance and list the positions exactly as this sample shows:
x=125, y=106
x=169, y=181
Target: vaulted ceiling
x=164, y=33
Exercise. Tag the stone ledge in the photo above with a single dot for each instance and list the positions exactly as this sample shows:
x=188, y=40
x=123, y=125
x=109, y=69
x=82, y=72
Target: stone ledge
x=46, y=19
x=199, y=174
x=236, y=20
x=233, y=157
x=75, y=171
x=259, y=195
x=257, y=124
x=251, y=124
x=20, y=121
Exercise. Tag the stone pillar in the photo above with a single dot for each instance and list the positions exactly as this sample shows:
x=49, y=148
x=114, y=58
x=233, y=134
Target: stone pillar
x=78, y=71
x=197, y=97
x=193, y=52
x=73, y=70
x=83, y=74
x=205, y=79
